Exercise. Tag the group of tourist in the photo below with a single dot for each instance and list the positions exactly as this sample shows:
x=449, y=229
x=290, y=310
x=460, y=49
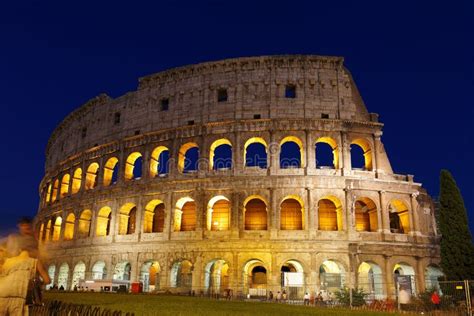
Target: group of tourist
x=322, y=298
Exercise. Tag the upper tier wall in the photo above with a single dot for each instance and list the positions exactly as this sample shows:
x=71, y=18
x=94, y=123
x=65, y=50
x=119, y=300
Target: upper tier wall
x=255, y=86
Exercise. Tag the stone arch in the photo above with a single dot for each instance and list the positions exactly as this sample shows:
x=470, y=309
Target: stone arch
x=133, y=166
x=399, y=217
x=404, y=269
x=104, y=218
x=216, y=278
x=56, y=232
x=292, y=278
x=260, y=157
x=47, y=231
x=69, y=227
x=218, y=213
x=330, y=213
x=255, y=213
x=99, y=270
x=154, y=219
x=291, y=213
x=111, y=171
x=41, y=232
x=91, y=176
x=332, y=144
x=217, y=160
x=128, y=219
x=150, y=275
x=54, y=195
x=64, y=185
x=79, y=273
x=184, y=163
x=255, y=277
x=63, y=276
x=294, y=159
x=366, y=148
x=49, y=192
x=365, y=215
x=332, y=275
x=185, y=215
x=370, y=279
x=51, y=274
x=76, y=181
x=433, y=274
x=159, y=161
x=122, y=271
x=181, y=275
x=84, y=226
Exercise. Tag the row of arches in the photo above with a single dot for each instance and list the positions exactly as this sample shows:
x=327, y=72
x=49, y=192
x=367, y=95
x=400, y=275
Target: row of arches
x=329, y=217
x=256, y=149
x=256, y=278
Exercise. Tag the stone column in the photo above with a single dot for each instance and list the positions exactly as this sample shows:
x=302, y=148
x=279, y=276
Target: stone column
x=389, y=281
x=350, y=217
x=273, y=154
x=273, y=215
x=169, y=213
x=420, y=276
x=139, y=217
x=377, y=150
x=146, y=164
x=384, y=212
x=308, y=212
x=236, y=215
x=346, y=155
x=414, y=218
x=310, y=153
x=237, y=155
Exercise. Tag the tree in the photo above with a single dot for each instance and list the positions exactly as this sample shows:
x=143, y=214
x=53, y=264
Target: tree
x=457, y=250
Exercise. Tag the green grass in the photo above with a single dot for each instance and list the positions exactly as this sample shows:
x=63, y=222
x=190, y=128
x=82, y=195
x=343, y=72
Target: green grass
x=183, y=305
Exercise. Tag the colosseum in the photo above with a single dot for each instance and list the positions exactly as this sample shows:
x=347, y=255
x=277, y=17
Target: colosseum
x=252, y=174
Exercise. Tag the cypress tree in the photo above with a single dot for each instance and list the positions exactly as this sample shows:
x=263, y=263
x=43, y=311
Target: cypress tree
x=457, y=249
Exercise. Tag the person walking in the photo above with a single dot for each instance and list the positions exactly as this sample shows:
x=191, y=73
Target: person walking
x=435, y=299
x=306, y=298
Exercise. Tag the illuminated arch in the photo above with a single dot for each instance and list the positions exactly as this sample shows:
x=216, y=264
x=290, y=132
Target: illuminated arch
x=291, y=213
x=154, y=217
x=91, y=176
x=99, y=270
x=255, y=272
x=150, y=276
x=367, y=152
x=47, y=231
x=399, y=217
x=69, y=227
x=64, y=185
x=256, y=161
x=216, y=277
x=365, y=215
x=433, y=274
x=49, y=192
x=76, y=181
x=63, y=276
x=104, y=218
x=370, y=279
x=181, y=275
x=182, y=156
x=335, y=153
x=218, y=213
x=79, y=273
x=57, y=228
x=41, y=232
x=219, y=160
x=299, y=143
x=51, y=274
x=130, y=171
x=84, y=226
x=54, y=196
x=122, y=271
x=185, y=215
x=110, y=171
x=128, y=219
x=332, y=275
x=155, y=161
x=329, y=213
x=255, y=213
x=405, y=269
x=292, y=277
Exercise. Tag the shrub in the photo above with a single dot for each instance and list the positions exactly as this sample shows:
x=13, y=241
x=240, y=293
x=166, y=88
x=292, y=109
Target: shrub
x=358, y=296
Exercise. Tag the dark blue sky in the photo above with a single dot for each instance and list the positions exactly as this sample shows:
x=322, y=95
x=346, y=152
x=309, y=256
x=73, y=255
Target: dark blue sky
x=412, y=61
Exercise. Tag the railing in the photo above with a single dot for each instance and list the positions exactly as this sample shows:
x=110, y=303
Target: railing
x=57, y=308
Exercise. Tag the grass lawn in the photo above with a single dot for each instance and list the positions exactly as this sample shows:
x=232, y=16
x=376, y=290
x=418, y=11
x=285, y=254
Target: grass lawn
x=183, y=305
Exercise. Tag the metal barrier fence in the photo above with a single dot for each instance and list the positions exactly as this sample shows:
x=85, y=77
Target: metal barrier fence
x=57, y=308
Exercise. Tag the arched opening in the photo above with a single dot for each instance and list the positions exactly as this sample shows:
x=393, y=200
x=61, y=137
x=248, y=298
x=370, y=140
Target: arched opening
x=188, y=157
x=292, y=279
x=133, y=166
x=63, y=276
x=216, y=279
x=256, y=153
x=327, y=155
x=182, y=275
x=111, y=169
x=64, y=185
x=185, y=215
x=399, y=217
x=220, y=155
x=404, y=275
x=122, y=271
x=99, y=271
x=159, y=162
x=128, y=219
x=57, y=228
x=433, y=275
x=255, y=214
x=41, y=232
x=84, y=224
x=365, y=215
x=47, y=231
x=331, y=276
x=291, y=213
x=150, y=276
x=370, y=280
x=330, y=214
x=91, y=176
x=54, y=195
x=104, y=218
x=154, y=221
x=51, y=274
x=79, y=273
x=69, y=227
x=361, y=154
x=291, y=153
x=218, y=213
x=256, y=275
x=49, y=192
x=76, y=181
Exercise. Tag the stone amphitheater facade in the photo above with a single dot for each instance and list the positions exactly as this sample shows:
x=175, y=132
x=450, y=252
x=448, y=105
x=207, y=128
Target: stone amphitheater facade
x=111, y=209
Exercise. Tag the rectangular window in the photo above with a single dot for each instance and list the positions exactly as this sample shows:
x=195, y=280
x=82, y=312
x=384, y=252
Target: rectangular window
x=222, y=95
x=324, y=116
x=290, y=91
x=257, y=116
x=84, y=132
x=191, y=122
x=137, y=132
x=117, y=118
x=164, y=105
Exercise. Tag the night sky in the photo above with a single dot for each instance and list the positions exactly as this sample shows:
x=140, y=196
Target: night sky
x=412, y=61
